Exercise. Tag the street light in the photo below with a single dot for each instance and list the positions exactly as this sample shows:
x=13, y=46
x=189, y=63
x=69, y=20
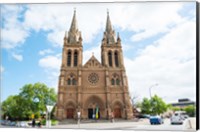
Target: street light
x=151, y=88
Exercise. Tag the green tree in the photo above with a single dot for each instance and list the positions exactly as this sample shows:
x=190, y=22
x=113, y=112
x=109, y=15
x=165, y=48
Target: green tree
x=190, y=110
x=153, y=106
x=158, y=106
x=13, y=107
x=32, y=99
x=145, y=106
x=175, y=108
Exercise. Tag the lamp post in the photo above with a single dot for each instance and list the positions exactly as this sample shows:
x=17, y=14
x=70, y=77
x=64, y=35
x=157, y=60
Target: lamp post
x=151, y=88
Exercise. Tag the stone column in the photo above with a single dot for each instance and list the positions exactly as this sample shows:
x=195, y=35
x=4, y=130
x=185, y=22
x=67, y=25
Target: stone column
x=72, y=59
x=108, y=109
x=106, y=58
x=79, y=84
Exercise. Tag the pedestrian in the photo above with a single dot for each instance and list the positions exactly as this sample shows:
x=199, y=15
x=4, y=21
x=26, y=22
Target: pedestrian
x=112, y=117
x=33, y=123
x=39, y=124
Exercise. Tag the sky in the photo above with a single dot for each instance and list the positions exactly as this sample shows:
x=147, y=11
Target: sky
x=158, y=41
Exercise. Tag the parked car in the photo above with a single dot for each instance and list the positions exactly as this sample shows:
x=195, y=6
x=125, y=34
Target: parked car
x=178, y=117
x=12, y=123
x=143, y=116
x=156, y=120
x=22, y=124
x=3, y=122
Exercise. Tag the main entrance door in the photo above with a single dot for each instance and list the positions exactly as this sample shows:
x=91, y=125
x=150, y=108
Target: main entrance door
x=117, y=113
x=70, y=113
x=92, y=112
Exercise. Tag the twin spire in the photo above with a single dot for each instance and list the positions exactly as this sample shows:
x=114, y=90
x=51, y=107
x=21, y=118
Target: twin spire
x=74, y=35
x=108, y=23
x=74, y=25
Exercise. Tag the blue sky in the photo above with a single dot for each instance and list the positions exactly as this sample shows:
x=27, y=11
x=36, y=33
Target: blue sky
x=158, y=44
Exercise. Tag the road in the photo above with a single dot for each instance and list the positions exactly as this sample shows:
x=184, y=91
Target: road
x=134, y=125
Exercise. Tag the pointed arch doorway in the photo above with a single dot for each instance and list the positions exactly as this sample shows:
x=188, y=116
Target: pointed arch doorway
x=70, y=110
x=95, y=107
x=117, y=109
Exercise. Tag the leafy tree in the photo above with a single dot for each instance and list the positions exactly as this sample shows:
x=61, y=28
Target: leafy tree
x=32, y=99
x=145, y=106
x=190, y=110
x=153, y=106
x=158, y=106
x=175, y=108
x=13, y=107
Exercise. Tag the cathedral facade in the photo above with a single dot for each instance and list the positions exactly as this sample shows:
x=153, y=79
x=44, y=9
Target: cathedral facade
x=95, y=89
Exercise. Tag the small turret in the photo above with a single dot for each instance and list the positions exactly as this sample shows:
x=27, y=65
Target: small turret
x=118, y=38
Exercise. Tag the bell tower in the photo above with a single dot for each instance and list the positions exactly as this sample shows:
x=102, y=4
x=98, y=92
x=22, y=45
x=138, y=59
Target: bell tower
x=72, y=50
x=70, y=73
x=112, y=60
x=111, y=49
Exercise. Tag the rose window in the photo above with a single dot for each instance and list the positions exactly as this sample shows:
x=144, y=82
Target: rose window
x=93, y=78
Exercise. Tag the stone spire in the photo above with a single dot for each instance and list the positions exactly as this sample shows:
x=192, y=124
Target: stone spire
x=74, y=25
x=74, y=36
x=109, y=34
x=108, y=24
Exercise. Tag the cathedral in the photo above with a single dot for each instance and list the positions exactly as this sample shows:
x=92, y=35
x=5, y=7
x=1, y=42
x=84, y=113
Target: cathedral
x=95, y=89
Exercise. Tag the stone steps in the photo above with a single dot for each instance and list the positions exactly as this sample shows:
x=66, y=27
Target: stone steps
x=74, y=121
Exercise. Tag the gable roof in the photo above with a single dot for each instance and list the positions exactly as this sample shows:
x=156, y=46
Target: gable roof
x=92, y=62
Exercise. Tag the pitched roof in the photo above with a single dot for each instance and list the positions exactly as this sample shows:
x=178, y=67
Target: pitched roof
x=93, y=62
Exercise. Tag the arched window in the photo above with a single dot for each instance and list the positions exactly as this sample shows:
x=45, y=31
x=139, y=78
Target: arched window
x=116, y=59
x=75, y=58
x=113, y=82
x=110, y=58
x=69, y=81
x=117, y=81
x=69, y=54
x=73, y=81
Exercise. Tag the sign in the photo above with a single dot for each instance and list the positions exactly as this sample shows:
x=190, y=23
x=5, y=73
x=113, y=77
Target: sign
x=49, y=108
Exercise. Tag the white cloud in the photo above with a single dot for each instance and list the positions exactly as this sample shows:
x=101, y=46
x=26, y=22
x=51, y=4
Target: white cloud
x=147, y=19
x=141, y=18
x=13, y=32
x=51, y=65
x=170, y=62
x=56, y=38
x=46, y=51
x=17, y=57
x=50, y=62
x=12, y=38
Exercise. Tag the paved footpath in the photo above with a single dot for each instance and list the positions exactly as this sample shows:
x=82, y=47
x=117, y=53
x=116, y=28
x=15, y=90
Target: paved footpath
x=132, y=125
